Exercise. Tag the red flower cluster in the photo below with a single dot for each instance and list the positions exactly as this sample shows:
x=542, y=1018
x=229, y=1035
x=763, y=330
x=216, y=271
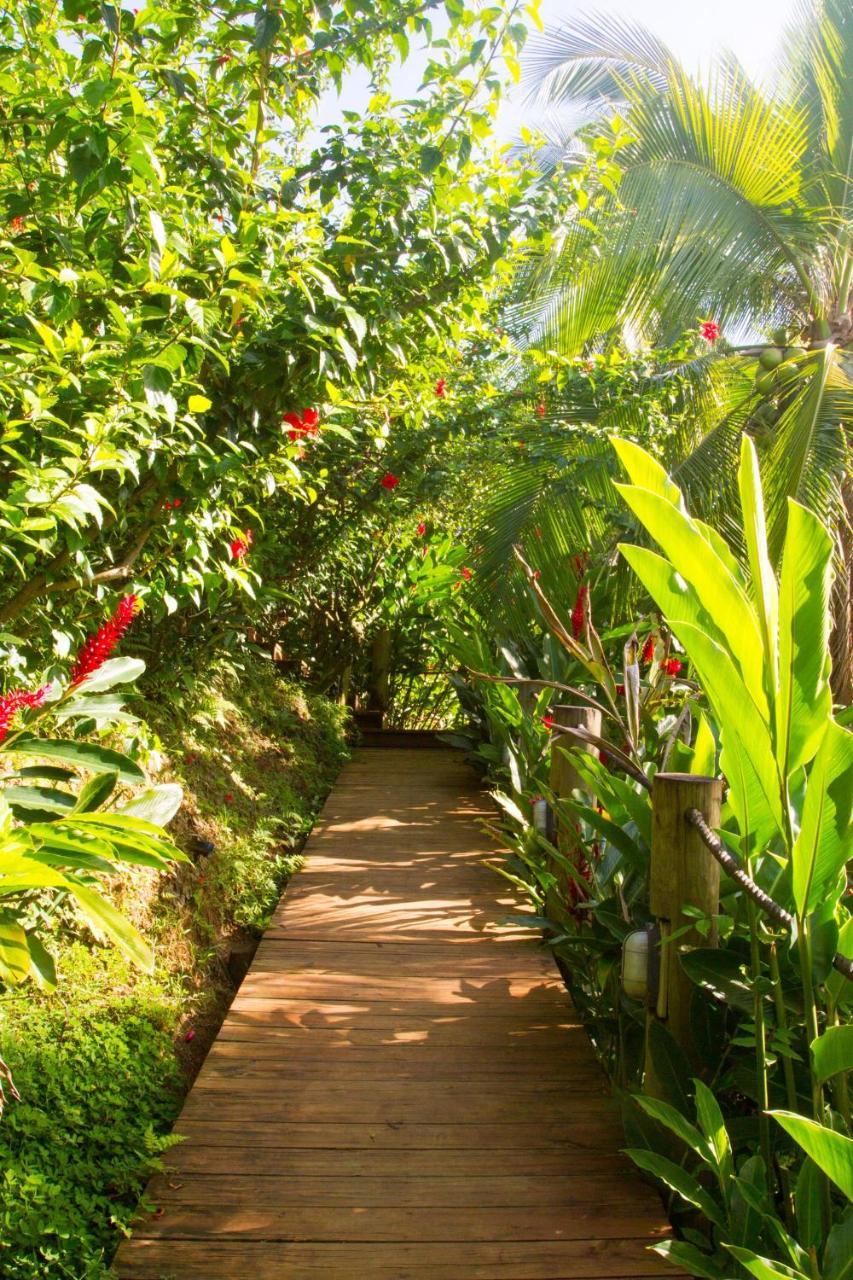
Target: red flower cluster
x=17, y=225
x=648, y=653
x=390, y=481
x=548, y=721
x=421, y=529
x=709, y=330
x=466, y=573
x=540, y=410
x=578, y=611
x=620, y=689
x=239, y=548
x=672, y=666
x=300, y=427
x=173, y=504
x=441, y=388
x=14, y=701
x=98, y=647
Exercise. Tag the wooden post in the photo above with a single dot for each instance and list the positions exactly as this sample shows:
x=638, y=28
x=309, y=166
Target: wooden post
x=565, y=779
x=682, y=874
x=380, y=670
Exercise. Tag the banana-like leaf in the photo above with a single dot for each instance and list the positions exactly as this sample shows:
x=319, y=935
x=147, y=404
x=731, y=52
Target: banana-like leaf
x=832, y=1152
x=157, y=805
x=765, y=592
x=805, y=702
x=14, y=952
x=823, y=844
x=704, y=760
x=676, y=1123
x=112, y=672
x=832, y=1053
x=713, y=1126
x=680, y=1181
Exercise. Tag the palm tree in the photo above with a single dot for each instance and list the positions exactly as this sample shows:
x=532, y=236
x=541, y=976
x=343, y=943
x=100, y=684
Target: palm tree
x=734, y=206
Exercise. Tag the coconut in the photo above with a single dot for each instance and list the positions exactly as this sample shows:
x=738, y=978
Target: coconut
x=767, y=414
x=770, y=358
x=765, y=383
x=780, y=337
x=791, y=353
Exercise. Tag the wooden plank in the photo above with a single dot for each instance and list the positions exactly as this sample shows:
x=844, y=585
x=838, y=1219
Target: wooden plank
x=596, y=1259
x=401, y=1087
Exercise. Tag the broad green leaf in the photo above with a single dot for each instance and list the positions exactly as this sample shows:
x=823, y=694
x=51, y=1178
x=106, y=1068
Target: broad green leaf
x=688, y=1258
x=832, y=1052
x=14, y=952
x=47, y=800
x=746, y=759
x=85, y=755
x=721, y=595
x=676, y=1122
x=679, y=1180
x=646, y=472
x=832, y=1152
x=158, y=805
x=199, y=404
x=671, y=1066
x=107, y=922
x=764, y=1268
x=713, y=1127
x=808, y=1201
x=764, y=590
x=704, y=761
x=42, y=968
x=838, y=1255
x=805, y=701
x=113, y=671
x=95, y=792
x=823, y=844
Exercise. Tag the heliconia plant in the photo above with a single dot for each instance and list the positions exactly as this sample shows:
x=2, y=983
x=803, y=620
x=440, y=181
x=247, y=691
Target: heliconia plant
x=760, y=648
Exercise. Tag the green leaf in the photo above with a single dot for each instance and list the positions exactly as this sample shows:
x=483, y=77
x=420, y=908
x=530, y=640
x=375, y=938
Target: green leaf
x=704, y=761
x=93, y=794
x=199, y=404
x=832, y=1152
x=808, y=1200
x=646, y=472
x=158, y=805
x=106, y=922
x=690, y=1259
x=267, y=26
x=680, y=1181
x=85, y=755
x=41, y=800
x=713, y=1126
x=112, y=672
x=42, y=968
x=764, y=590
x=676, y=1123
x=670, y=1066
x=431, y=158
x=838, y=1254
x=763, y=1268
x=832, y=1052
x=14, y=952
x=822, y=846
x=805, y=701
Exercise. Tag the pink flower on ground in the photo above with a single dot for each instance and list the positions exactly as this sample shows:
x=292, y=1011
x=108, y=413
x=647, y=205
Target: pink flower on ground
x=98, y=647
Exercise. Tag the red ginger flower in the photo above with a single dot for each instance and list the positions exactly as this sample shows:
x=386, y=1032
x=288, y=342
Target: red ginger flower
x=441, y=388
x=578, y=611
x=390, y=481
x=648, y=653
x=672, y=666
x=14, y=701
x=98, y=647
x=548, y=721
x=709, y=330
x=421, y=529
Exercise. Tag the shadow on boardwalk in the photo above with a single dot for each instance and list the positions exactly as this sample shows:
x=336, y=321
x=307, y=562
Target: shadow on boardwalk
x=401, y=1088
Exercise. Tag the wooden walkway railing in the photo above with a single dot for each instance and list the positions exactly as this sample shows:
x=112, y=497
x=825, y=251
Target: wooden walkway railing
x=401, y=1088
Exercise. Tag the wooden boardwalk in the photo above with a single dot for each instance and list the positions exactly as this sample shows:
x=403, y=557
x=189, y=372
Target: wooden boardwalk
x=401, y=1088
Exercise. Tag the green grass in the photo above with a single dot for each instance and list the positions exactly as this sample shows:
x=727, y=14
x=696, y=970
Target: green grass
x=101, y=1065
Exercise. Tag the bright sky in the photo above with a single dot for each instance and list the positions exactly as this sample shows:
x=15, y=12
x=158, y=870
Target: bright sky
x=695, y=31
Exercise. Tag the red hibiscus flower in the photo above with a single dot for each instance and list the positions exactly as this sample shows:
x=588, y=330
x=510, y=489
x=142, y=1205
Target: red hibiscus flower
x=98, y=647
x=301, y=425
x=390, y=481
x=709, y=330
x=441, y=388
x=672, y=666
x=239, y=548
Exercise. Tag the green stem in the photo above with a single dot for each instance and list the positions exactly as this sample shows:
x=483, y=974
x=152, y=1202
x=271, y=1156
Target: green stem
x=760, y=1040
x=782, y=1024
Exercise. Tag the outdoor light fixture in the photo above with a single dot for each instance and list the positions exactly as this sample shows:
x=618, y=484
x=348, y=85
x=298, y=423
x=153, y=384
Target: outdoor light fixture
x=641, y=964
